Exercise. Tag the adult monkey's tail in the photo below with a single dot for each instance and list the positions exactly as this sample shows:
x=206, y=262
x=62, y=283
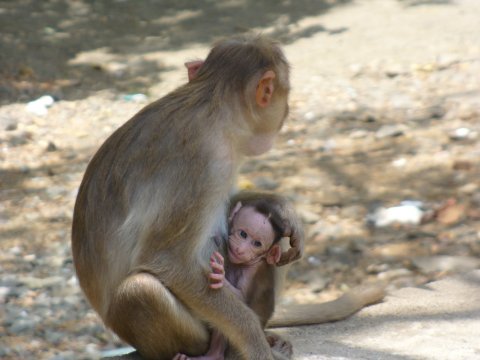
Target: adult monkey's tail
x=338, y=309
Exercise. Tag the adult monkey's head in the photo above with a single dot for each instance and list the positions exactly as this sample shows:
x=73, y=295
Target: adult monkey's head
x=252, y=75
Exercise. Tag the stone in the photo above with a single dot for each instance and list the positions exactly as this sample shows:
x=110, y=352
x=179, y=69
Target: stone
x=21, y=326
x=20, y=139
x=51, y=146
x=4, y=291
x=38, y=283
x=390, y=131
x=266, y=183
x=394, y=273
x=308, y=216
x=8, y=123
x=430, y=264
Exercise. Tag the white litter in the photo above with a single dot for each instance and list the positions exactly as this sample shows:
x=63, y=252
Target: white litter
x=40, y=106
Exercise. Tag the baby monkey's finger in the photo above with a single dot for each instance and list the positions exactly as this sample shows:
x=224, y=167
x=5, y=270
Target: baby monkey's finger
x=216, y=285
x=216, y=277
x=217, y=268
x=217, y=257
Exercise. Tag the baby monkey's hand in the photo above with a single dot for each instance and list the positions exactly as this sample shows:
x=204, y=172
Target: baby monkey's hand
x=217, y=276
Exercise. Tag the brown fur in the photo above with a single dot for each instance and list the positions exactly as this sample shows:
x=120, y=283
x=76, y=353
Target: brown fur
x=157, y=190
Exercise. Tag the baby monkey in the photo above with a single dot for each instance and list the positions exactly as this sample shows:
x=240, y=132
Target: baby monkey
x=252, y=250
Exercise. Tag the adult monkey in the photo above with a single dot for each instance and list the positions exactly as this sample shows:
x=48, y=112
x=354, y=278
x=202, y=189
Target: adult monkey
x=157, y=190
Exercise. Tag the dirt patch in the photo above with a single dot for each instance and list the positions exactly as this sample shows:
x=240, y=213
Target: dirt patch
x=385, y=108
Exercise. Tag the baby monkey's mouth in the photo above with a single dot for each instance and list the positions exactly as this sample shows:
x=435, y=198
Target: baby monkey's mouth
x=233, y=255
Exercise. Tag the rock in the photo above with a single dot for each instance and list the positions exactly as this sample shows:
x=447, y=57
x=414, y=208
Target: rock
x=315, y=279
x=329, y=145
x=401, y=101
x=394, y=71
x=137, y=98
x=73, y=281
x=436, y=112
x=16, y=250
x=390, y=131
x=66, y=355
x=429, y=264
x=4, y=291
x=30, y=258
x=326, y=231
x=356, y=69
x=54, y=192
x=54, y=337
x=16, y=291
x=37, y=283
x=469, y=188
x=114, y=68
x=51, y=147
x=266, y=183
x=331, y=198
x=377, y=268
x=319, y=283
x=394, y=273
x=20, y=139
x=310, y=116
x=93, y=351
x=25, y=169
x=8, y=123
x=21, y=326
x=352, y=211
x=392, y=252
x=308, y=217
x=337, y=250
x=450, y=213
x=4, y=352
x=462, y=165
x=357, y=245
x=398, y=163
x=313, y=260
x=462, y=134
x=359, y=134
x=476, y=199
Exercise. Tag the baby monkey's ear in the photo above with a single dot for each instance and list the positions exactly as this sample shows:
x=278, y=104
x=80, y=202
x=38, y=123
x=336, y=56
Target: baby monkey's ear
x=274, y=254
x=234, y=211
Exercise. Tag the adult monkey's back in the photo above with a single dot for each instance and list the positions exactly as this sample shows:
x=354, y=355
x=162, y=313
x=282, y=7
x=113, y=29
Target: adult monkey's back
x=155, y=193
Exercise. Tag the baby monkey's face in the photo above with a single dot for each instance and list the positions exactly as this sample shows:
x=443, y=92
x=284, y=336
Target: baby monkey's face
x=251, y=236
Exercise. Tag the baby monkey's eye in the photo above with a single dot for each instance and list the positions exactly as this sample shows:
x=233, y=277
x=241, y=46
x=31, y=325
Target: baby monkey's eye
x=257, y=244
x=243, y=234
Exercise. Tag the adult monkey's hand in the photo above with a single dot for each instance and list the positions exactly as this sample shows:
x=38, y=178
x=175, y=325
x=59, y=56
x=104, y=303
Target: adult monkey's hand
x=297, y=243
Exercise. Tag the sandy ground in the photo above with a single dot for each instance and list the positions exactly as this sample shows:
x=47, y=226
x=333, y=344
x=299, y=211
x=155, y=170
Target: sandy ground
x=440, y=320
x=380, y=91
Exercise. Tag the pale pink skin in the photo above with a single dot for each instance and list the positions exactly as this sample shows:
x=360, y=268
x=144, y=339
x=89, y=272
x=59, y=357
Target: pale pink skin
x=250, y=242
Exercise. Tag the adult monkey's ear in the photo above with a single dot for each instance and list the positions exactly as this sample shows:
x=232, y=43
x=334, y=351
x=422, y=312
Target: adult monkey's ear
x=192, y=68
x=265, y=89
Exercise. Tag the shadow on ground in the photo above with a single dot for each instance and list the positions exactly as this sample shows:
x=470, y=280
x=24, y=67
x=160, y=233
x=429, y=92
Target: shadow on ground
x=41, y=42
